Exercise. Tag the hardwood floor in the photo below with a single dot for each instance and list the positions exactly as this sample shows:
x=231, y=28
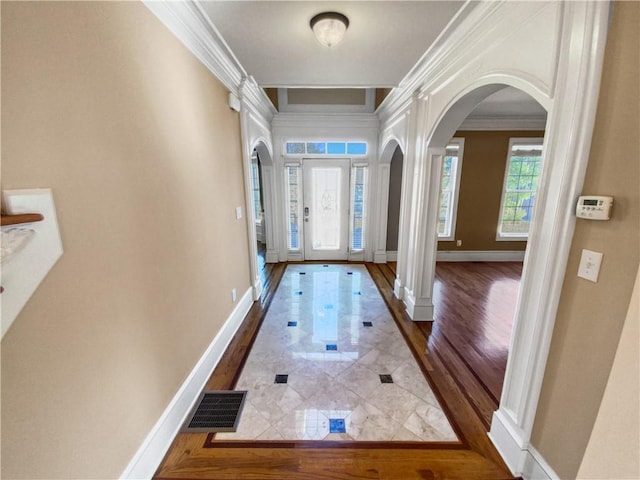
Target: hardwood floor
x=462, y=355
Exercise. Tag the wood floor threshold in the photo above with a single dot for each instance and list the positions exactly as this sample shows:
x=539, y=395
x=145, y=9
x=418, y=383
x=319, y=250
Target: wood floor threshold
x=199, y=456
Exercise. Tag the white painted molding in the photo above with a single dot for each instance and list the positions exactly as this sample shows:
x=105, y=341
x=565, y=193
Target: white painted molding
x=392, y=256
x=23, y=273
x=148, y=457
x=522, y=459
x=480, y=255
x=536, y=467
x=193, y=28
x=504, y=123
x=380, y=257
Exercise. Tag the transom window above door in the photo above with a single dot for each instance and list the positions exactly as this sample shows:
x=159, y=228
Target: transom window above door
x=326, y=148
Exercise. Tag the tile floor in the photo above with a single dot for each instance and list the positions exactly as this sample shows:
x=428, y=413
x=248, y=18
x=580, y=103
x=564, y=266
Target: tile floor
x=329, y=363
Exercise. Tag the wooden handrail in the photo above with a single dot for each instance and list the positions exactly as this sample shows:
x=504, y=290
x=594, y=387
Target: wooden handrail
x=20, y=218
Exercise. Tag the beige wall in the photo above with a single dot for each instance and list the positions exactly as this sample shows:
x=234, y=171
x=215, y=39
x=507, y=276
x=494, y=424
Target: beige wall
x=483, y=168
x=326, y=96
x=590, y=316
x=101, y=103
x=613, y=451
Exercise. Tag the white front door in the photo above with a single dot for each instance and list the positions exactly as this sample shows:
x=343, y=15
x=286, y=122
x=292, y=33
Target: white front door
x=326, y=209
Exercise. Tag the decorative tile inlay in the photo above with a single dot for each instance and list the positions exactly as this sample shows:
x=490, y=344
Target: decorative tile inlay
x=336, y=425
x=385, y=378
x=328, y=385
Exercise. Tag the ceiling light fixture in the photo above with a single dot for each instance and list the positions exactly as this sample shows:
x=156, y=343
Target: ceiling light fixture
x=329, y=27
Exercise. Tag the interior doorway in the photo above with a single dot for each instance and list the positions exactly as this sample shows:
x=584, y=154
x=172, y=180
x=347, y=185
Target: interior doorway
x=478, y=267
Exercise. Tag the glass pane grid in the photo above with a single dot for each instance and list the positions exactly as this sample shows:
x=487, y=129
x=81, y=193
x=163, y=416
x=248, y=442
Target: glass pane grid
x=293, y=237
x=520, y=188
x=447, y=185
x=326, y=148
x=357, y=227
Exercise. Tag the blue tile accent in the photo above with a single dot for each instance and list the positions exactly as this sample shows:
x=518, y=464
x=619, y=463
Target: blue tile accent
x=386, y=378
x=325, y=266
x=357, y=293
x=367, y=324
x=292, y=324
x=336, y=425
x=349, y=273
x=328, y=306
x=280, y=378
x=332, y=346
x=298, y=293
x=302, y=273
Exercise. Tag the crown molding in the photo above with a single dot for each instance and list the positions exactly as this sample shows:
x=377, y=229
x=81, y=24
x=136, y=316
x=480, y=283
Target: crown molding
x=192, y=27
x=472, y=16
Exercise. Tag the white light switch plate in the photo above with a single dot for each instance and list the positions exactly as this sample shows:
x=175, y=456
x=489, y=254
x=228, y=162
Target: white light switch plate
x=238, y=213
x=590, y=265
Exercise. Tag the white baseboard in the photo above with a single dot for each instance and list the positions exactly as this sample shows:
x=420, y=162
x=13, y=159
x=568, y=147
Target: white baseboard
x=522, y=459
x=480, y=256
x=536, y=467
x=380, y=257
x=148, y=457
x=392, y=256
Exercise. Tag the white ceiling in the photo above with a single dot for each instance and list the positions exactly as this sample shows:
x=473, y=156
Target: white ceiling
x=274, y=43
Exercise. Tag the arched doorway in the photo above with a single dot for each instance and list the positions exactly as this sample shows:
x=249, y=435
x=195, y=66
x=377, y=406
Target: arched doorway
x=259, y=186
x=492, y=165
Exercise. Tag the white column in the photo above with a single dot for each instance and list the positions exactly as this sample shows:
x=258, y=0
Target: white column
x=404, y=226
x=382, y=210
x=419, y=298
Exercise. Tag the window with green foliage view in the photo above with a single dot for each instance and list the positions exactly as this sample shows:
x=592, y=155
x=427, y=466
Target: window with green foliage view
x=520, y=186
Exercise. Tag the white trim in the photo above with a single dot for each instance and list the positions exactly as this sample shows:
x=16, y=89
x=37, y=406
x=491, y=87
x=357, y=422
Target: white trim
x=148, y=457
x=192, y=27
x=507, y=442
x=480, y=256
x=504, y=123
x=522, y=460
x=536, y=467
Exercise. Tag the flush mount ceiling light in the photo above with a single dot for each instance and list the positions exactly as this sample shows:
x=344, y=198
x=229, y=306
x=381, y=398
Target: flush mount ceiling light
x=329, y=27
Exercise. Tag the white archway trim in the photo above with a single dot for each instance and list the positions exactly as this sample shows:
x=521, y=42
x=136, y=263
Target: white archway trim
x=567, y=145
x=563, y=74
x=387, y=149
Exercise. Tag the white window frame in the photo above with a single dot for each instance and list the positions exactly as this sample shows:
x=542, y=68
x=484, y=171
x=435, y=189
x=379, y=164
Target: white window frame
x=455, y=192
x=534, y=142
x=298, y=166
x=365, y=182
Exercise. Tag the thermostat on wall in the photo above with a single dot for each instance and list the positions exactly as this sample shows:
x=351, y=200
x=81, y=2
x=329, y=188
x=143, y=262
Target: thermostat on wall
x=594, y=207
